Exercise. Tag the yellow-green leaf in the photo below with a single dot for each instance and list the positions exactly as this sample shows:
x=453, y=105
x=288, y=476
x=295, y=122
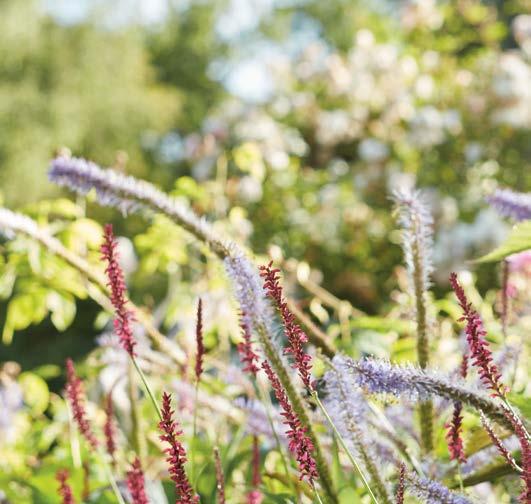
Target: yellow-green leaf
x=519, y=240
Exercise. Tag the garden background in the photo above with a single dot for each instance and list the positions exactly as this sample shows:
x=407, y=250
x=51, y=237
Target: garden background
x=288, y=124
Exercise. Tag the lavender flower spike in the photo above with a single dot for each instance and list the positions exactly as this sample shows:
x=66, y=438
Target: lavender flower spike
x=511, y=204
x=417, y=243
x=348, y=409
x=432, y=492
x=129, y=194
x=381, y=376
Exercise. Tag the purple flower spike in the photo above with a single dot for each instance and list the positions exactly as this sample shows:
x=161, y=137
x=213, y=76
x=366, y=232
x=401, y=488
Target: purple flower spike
x=511, y=204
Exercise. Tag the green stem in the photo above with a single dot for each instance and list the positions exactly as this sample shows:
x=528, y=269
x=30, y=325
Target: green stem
x=147, y=387
x=137, y=437
x=110, y=477
x=344, y=445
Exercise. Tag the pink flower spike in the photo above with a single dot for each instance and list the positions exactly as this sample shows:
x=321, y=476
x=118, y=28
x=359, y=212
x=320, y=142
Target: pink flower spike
x=247, y=355
x=176, y=454
x=255, y=496
x=109, y=428
x=136, y=484
x=123, y=316
x=64, y=491
x=199, y=341
x=453, y=435
x=400, y=489
x=296, y=336
x=299, y=443
x=76, y=398
x=479, y=347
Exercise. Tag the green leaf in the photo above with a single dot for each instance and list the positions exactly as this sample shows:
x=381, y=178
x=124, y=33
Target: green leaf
x=23, y=310
x=35, y=391
x=519, y=240
x=522, y=402
x=63, y=308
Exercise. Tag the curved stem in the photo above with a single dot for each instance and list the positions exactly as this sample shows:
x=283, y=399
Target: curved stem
x=147, y=387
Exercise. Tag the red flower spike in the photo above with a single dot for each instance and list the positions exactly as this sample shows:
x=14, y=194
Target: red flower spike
x=76, y=398
x=176, y=454
x=453, y=435
x=199, y=341
x=299, y=443
x=479, y=348
x=109, y=429
x=123, y=316
x=64, y=491
x=136, y=483
x=255, y=496
x=400, y=489
x=247, y=355
x=296, y=336
x=220, y=478
x=525, y=447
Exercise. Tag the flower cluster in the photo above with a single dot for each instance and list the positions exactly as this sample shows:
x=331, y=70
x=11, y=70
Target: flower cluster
x=479, y=348
x=400, y=489
x=255, y=496
x=525, y=447
x=76, y=398
x=176, y=454
x=220, y=478
x=123, y=316
x=380, y=376
x=296, y=336
x=248, y=356
x=109, y=428
x=417, y=234
x=199, y=341
x=511, y=204
x=136, y=484
x=498, y=443
x=299, y=443
x=432, y=492
x=129, y=194
x=65, y=492
x=453, y=435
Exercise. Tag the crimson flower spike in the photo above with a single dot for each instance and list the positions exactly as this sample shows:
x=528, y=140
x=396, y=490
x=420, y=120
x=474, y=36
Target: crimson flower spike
x=525, y=448
x=255, y=496
x=136, y=484
x=479, y=347
x=199, y=341
x=76, y=398
x=296, y=336
x=248, y=356
x=299, y=443
x=176, y=454
x=453, y=435
x=401, y=487
x=123, y=316
x=109, y=428
x=64, y=491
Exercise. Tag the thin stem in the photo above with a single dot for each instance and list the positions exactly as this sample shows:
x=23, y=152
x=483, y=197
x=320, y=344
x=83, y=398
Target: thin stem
x=344, y=445
x=110, y=477
x=147, y=387
x=317, y=494
x=460, y=478
x=137, y=436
